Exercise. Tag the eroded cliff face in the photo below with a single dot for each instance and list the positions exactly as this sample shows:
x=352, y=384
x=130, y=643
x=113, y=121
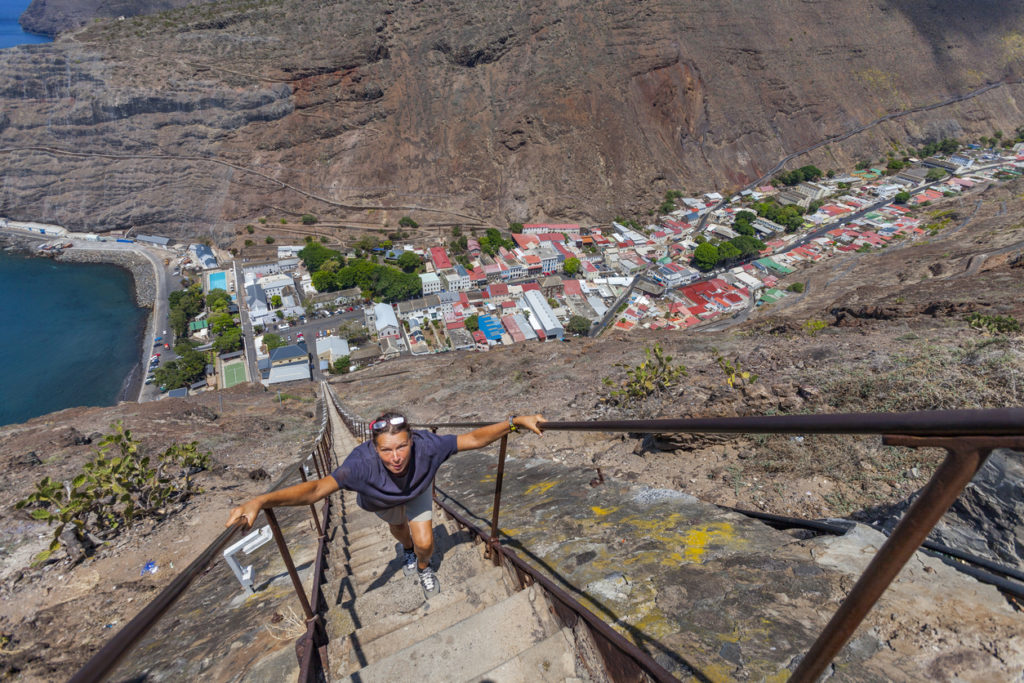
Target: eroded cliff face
x=191, y=121
x=50, y=17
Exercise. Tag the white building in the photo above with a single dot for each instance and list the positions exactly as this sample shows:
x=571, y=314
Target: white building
x=385, y=322
x=431, y=283
x=274, y=284
x=541, y=315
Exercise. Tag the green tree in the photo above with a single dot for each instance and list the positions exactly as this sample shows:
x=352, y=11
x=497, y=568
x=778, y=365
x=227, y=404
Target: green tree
x=797, y=287
x=456, y=231
x=341, y=365
x=178, y=321
x=747, y=245
x=276, y=301
x=409, y=261
x=325, y=281
x=515, y=228
x=727, y=252
x=273, y=341
x=473, y=323
x=902, y=197
x=250, y=229
x=315, y=255
x=269, y=239
x=934, y=174
x=578, y=325
x=220, y=322
x=230, y=340
x=571, y=266
x=308, y=219
x=218, y=300
x=705, y=256
x=407, y=222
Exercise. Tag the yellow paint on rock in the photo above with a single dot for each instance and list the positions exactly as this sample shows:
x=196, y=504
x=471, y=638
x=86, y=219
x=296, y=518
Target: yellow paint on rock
x=694, y=541
x=601, y=512
x=489, y=479
x=718, y=673
x=541, y=487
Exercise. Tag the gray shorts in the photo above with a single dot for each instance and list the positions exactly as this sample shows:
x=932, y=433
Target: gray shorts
x=419, y=509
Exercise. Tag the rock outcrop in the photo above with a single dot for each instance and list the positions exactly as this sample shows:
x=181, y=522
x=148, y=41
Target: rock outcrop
x=192, y=120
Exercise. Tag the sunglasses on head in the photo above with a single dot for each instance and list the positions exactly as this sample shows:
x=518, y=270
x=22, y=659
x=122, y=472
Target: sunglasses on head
x=382, y=424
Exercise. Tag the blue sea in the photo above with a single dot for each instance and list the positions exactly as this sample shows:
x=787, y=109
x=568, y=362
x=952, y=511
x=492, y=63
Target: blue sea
x=71, y=335
x=10, y=31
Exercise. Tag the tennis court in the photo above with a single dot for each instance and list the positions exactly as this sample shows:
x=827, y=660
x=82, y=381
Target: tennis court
x=234, y=373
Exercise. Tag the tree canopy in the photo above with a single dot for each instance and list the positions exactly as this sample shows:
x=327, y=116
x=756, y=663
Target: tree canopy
x=804, y=173
x=376, y=281
x=578, y=325
x=571, y=265
x=314, y=255
x=705, y=256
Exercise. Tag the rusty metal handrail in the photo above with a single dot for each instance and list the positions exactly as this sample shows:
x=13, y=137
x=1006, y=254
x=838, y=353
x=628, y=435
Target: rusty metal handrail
x=968, y=436
x=640, y=658
x=988, y=422
x=107, y=657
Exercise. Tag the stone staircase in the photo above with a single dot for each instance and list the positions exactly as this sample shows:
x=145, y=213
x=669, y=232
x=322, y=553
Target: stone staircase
x=479, y=628
x=381, y=628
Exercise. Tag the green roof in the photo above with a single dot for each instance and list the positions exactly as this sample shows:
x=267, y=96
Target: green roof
x=197, y=325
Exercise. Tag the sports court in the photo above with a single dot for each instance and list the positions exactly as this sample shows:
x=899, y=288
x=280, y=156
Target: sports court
x=234, y=373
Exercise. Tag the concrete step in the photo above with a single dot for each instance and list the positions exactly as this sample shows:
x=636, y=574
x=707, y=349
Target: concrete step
x=551, y=660
x=383, y=624
x=454, y=559
x=470, y=648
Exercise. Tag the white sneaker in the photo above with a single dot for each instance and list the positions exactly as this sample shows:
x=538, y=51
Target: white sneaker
x=428, y=580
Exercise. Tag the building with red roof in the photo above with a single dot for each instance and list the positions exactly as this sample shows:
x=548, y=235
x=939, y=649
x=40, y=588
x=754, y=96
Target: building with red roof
x=439, y=257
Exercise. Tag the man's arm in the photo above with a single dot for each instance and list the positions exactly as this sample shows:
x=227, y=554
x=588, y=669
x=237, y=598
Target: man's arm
x=481, y=436
x=306, y=493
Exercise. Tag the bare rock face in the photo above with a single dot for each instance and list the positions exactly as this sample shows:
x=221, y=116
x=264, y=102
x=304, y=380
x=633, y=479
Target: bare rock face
x=360, y=112
x=50, y=17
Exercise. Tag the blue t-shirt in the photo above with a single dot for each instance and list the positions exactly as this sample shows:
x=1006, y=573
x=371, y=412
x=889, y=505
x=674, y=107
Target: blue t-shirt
x=363, y=471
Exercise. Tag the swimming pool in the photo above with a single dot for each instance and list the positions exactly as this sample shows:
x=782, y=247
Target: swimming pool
x=218, y=281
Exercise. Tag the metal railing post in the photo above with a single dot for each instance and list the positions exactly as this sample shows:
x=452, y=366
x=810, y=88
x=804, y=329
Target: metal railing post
x=275, y=529
x=492, y=545
x=312, y=508
x=964, y=458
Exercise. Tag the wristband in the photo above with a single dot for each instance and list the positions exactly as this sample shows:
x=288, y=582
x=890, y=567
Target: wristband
x=511, y=424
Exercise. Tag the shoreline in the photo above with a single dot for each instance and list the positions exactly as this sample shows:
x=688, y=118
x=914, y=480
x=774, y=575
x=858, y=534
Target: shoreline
x=144, y=286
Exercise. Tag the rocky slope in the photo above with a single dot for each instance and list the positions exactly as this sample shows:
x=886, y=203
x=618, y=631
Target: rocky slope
x=900, y=343
x=197, y=119
x=50, y=17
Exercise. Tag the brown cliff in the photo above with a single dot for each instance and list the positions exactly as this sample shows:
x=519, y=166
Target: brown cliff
x=361, y=112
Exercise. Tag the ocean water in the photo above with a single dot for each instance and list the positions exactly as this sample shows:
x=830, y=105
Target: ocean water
x=70, y=334
x=10, y=31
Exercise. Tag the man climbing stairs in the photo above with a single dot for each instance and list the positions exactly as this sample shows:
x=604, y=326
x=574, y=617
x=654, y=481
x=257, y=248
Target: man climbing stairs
x=381, y=627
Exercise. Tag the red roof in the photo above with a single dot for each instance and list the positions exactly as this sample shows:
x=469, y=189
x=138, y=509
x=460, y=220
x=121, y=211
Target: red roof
x=524, y=241
x=572, y=287
x=552, y=227
x=440, y=258
x=530, y=287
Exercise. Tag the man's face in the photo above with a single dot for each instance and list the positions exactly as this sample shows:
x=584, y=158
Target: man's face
x=394, y=450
